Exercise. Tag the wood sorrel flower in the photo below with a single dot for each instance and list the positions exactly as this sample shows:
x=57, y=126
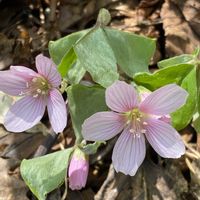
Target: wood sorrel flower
x=37, y=90
x=78, y=170
x=137, y=118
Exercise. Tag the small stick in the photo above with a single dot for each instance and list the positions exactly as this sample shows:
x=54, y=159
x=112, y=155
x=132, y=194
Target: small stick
x=53, y=5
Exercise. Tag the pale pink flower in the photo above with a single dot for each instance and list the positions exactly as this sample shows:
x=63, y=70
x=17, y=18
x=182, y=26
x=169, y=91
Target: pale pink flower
x=78, y=170
x=137, y=118
x=37, y=90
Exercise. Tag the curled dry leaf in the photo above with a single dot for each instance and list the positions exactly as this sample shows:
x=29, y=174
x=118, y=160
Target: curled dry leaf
x=180, y=36
x=190, y=10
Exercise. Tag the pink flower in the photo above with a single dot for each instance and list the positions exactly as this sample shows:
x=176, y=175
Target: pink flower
x=37, y=90
x=136, y=119
x=78, y=170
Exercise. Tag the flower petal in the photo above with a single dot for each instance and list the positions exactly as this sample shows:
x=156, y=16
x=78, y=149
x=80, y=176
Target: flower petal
x=11, y=84
x=78, y=173
x=102, y=126
x=23, y=72
x=165, y=100
x=25, y=113
x=164, y=139
x=57, y=111
x=47, y=68
x=129, y=152
x=121, y=97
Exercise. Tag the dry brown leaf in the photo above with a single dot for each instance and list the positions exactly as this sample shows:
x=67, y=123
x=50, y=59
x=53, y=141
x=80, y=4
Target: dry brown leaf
x=164, y=183
x=180, y=37
x=191, y=12
x=6, y=46
x=11, y=185
x=112, y=186
x=19, y=145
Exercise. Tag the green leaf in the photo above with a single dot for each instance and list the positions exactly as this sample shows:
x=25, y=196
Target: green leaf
x=196, y=52
x=173, y=74
x=97, y=57
x=67, y=62
x=182, y=117
x=58, y=48
x=46, y=173
x=196, y=122
x=63, y=55
x=92, y=148
x=129, y=50
x=75, y=73
x=198, y=86
x=177, y=60
x=99, y=51
x=84, y=101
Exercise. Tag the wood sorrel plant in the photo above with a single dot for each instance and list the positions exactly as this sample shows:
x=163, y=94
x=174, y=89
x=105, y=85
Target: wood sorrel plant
x=103, y=52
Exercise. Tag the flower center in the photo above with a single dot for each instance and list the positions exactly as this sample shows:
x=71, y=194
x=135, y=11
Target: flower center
x=37, y=86
x=135, y=119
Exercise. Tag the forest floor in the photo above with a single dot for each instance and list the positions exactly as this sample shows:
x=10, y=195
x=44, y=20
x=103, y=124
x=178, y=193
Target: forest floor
x=25, y=30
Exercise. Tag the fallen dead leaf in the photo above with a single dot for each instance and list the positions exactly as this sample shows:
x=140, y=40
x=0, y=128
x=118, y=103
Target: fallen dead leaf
x=180, y=37
x=11, y=185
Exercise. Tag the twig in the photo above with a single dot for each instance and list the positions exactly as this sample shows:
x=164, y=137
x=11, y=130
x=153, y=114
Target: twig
x=189, y=164
x=66, y=190
x=193, y=151
x=53, y=5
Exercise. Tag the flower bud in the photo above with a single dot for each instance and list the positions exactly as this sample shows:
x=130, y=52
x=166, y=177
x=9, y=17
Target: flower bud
x=78, y=170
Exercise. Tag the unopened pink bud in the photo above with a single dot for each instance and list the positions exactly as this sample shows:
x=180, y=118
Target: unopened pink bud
x=78, y=170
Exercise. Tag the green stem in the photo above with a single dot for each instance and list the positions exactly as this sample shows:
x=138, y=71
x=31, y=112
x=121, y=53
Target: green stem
x=198, y=86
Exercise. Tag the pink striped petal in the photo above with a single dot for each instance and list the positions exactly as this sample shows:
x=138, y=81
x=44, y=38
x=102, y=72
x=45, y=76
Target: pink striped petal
x=121, y=97
x=23, y=72
x=24, y=114
x=102, y=126
x=57, y=111
x=11, y=84
x=164, y=139
x=129, y=152
x=165, y=100
x=165, y=118
x=78, y=173
x=47, y=68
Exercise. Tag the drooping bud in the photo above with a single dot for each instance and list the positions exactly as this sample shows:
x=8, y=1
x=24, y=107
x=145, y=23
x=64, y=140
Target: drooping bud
x=78, y=170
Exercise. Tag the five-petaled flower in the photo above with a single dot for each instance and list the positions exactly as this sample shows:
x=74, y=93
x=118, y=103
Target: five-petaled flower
x=37, y=90
x=137, y=118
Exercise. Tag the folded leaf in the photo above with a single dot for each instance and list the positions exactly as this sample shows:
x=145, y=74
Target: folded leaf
x=173, y=74
x=46, y=173
x=182, y=117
